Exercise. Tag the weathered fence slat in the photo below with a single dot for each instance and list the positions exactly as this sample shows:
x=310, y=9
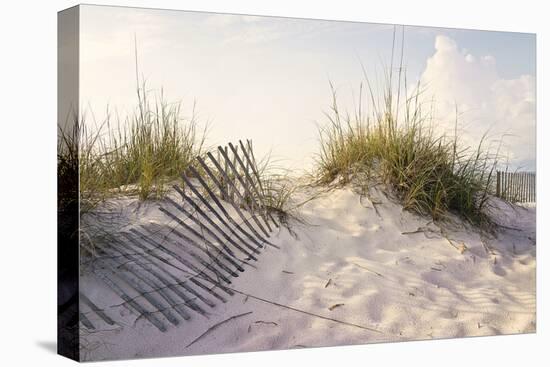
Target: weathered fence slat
x=129, y=301
x=189, y=302
x=193, y=280
x=247, y=207
x=161, y=274
x=193, y=270
x=533, y=185
x=85, y=321
x=189, y=265
x=201, y=226
x=252, y=164
x=142, y=262
x=206, y=241
x=210, y=255
x=145, y=291
x=217, y=227
x=145, y=285
x=160, y=284
x=247, y=183
x=524, y=187
x=182, y=260
x=498, y=184
x=218, y=216
x=222, y=209
x=193, y=274
x=99, y=312
x=516, y=186
x=235, y=207
x=206, y=229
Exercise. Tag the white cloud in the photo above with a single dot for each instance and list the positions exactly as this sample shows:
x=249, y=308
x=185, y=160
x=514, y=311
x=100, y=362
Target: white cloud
x=485, y=101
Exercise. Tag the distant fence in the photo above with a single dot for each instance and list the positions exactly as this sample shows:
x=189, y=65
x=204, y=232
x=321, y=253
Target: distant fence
x=517, y=186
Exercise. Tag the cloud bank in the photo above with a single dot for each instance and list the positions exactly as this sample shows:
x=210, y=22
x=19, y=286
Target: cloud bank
x=485, y=102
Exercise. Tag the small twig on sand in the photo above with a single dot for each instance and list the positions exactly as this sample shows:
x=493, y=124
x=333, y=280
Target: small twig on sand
x=249, y=264
x=334, y=306
x=266, y=322
x=369, y=270
x=328, y=283
x=425, y=230
x=419, y=230
x=451, y=242
x=216, y=326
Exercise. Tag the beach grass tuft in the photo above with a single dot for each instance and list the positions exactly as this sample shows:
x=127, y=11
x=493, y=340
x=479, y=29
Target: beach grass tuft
x=139, y=156
x=398, y=146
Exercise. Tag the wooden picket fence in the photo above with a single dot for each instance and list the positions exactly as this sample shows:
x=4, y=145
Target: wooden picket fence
x=218, y=225
x=516, y=186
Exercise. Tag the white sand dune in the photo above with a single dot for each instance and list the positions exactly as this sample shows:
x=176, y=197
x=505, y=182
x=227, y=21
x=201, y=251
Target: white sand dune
x=352, y=273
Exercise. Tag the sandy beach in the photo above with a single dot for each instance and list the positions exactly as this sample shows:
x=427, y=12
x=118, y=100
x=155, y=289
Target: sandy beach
x=349, y=270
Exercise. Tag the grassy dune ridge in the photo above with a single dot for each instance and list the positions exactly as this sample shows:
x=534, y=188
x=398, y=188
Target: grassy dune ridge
x=145, y=154
x=397, y=145
x=138, y=155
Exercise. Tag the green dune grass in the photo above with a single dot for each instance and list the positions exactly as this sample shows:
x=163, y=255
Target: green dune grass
x=397, y=145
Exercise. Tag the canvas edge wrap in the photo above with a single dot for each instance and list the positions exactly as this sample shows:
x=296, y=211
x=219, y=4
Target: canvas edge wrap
x=68, y=203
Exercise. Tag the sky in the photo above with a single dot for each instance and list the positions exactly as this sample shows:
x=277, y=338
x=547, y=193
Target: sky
x=268, y=78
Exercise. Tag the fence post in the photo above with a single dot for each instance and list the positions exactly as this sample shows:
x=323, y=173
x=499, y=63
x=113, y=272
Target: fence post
x=506, y=188
x=514, y=186
x=498, y=183
x=534, y=185
x=520, y=180
x=521, y=175
x=525, y=187
x=529, y=186
x=228, y=188
x=235, y=183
